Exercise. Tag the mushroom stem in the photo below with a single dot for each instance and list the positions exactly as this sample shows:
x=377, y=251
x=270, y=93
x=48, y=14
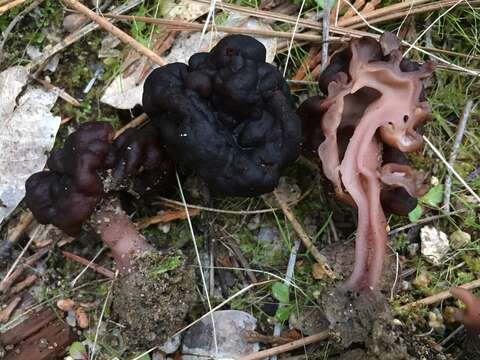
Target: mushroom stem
x=119, y=233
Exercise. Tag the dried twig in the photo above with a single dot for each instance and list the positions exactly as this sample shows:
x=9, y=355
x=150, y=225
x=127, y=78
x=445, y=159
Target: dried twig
x=165, y=217
x=253, y=337
x=190, y=26
x=112, y=29
x=453, y=155
x=7, y=282
x=10, y=5
x=95, y=267
x=139, y=120
x=303, y=235
x=25, y=220
x=440, y=296
x=288, y=347
x=233, y=246
x=60, y=92
x=22, y=285
x=6, y=313
x=425, y=221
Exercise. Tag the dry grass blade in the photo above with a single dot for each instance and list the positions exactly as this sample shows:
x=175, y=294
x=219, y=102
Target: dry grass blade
x=189, y=26
x=399, y=10
x=112, y=29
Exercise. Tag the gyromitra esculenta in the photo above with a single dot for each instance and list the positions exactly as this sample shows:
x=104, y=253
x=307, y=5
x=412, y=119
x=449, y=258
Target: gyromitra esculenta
x=227, y=115
x=374, y=106
x=74, y=190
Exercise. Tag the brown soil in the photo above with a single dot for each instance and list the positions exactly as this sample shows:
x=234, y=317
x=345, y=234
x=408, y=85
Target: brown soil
x=153, y=302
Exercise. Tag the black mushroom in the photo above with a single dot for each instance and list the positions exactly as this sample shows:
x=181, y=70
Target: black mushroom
x=227, y=115
x=76, y=191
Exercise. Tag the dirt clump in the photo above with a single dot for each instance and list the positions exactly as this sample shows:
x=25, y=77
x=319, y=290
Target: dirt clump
x=366, y=330
x=154, y=301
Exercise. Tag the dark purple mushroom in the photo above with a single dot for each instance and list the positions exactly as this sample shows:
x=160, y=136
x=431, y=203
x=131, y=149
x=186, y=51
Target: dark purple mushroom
x=227, y=115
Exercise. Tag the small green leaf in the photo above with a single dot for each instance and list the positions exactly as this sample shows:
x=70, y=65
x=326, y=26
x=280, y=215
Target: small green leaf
x=415, y=214
x=281, y=293
x=283, y=312
x=77, y=351
x=434, y=196
x=168, y=264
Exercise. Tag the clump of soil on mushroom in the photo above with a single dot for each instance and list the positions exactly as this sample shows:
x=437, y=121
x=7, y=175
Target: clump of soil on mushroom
x=362, y=320
x=153, y=301
x=366, y=328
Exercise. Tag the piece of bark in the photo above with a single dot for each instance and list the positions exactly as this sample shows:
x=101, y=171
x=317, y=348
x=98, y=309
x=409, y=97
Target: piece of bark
x=41, y=337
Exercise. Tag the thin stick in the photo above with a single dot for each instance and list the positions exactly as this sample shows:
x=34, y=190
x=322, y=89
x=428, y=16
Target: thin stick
x=10, y=5
x=189, y=26
x=6, y=284
x=425, y=221
x=89, y=264
x=17, y=260
x=454, y=153
x=165, y=217
x=440, y=296
x=139, y=120
x=288, y=347
x=22, y=285
x=325, y=32
x=222, y=211
x=303, y=235
x=453, y=171
x=112, y=29
x=60, y=92
x=25, y=220
x=6, y=313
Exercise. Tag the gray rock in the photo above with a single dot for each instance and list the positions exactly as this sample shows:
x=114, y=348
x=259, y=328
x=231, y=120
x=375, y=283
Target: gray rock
x=230, y=326
x=171, y=345
x=434, y=244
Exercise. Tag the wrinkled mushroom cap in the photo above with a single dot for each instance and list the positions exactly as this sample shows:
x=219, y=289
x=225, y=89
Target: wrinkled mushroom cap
x=227, y=115
x=66, y=195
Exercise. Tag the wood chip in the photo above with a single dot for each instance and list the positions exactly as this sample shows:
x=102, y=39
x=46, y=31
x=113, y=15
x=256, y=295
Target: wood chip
x=6, y=313
x=22, y=285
